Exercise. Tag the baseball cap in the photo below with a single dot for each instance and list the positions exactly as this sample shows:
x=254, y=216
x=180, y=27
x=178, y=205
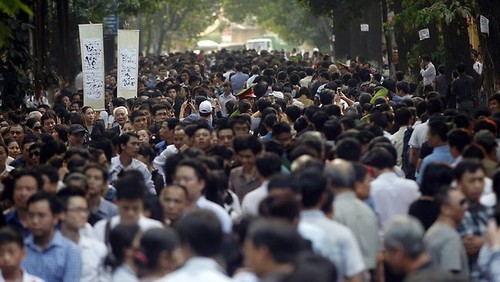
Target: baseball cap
x=205, y=107
x=77, y=128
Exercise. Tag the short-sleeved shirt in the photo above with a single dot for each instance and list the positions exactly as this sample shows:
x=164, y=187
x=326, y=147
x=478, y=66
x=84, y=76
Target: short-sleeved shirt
x=446, y=249
x=240, y=185
x=60, y=261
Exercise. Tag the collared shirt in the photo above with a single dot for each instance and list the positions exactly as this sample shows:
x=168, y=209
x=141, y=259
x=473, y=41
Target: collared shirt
x=446, y=249
x=6, y=171
x=124, y=274
x=59, y=261
x=198, y=269
x=429, y=74
x=337, y=243
x=362, y=221
x=144, y=224
x=240, y=185
x=161, y=146
x=26, y=278
x=397, y=141
x=392, y=195
x=12, y=219
x=475, y=223
x=463, y=88
x=238, y=81
x=419, y=135
x=223, y=99
x=116, y=167
x=251, y=202
x=439, y=154
x=220, y=212
x=93, y=253
x=159, y=161
x=106, y=209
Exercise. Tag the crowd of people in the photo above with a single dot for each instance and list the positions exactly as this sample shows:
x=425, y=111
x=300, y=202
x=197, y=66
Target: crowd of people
x=246, y=166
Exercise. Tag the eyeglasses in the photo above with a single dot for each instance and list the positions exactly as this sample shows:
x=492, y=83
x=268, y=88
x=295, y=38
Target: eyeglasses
x=37, y=128
x=34, y=153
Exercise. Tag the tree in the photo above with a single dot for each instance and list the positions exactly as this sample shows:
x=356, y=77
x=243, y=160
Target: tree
x=289, y=19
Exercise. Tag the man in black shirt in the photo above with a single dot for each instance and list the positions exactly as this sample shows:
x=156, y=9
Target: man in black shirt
x=464, y=91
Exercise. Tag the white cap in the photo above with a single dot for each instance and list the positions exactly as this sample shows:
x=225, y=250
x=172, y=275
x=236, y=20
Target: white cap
x=205, y=107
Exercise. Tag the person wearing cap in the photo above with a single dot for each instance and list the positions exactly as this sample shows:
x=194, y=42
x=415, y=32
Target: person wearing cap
x=76, y=136
x=226, y=96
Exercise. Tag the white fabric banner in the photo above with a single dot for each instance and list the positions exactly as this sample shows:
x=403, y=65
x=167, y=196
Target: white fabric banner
x=128, y=63
x=92, y=51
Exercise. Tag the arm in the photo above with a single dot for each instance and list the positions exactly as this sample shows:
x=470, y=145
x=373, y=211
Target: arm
x=414, y=152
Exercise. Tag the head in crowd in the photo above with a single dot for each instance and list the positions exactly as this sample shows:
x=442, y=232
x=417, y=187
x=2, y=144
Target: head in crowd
x=271, y=245
x=403, y=241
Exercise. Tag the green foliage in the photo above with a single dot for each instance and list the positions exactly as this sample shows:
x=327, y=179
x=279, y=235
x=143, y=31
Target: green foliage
x=16, y=64
x=291, y=20
x=11, y=8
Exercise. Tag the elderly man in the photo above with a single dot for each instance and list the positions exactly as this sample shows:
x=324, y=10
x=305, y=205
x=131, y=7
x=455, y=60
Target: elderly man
x=405, y=251
x=352, y=212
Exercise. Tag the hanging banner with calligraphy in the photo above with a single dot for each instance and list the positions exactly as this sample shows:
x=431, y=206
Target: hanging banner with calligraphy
x=128, y=63
x=92, y=51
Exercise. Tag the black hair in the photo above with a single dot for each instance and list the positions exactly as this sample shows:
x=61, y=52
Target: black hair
x=459, y=138
x=379, y=158
x=468, y=165
x=348, y=149
x=312, y=185
x=282, y=240
x=130, y=185
x=249, y=142
x=54, y=203
x=99, y=167
x=66, y=193
x=10, y=181
x=121, y=237
x=9, y=234
x=436, y=175
x=439, y=128
x=153, y=243
x=201, y=230
x=268, y=164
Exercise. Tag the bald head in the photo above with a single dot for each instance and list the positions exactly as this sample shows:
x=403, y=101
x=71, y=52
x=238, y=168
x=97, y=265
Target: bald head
x=340, y=174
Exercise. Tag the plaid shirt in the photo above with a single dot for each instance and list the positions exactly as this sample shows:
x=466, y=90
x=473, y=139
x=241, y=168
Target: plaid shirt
x=475, y=223
x=60, y=261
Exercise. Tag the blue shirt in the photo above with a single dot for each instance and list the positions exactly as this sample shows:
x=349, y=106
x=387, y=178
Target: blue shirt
x=59, y=261
x=439, y=154
x=12, y=219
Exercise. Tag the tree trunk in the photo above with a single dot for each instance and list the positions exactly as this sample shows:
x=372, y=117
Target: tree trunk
x=453, y=33
x=489, y=43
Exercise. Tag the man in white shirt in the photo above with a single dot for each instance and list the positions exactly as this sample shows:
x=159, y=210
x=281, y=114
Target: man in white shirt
x=226, y=96
x=73, y=218
x=130, y=191
x=402, y=118
x=391, y=194
x=179, y=140
x=129, y=149
x=201, y=239
x=306, y=81
x=428, y=71
x=193, y=175
x=334, y=241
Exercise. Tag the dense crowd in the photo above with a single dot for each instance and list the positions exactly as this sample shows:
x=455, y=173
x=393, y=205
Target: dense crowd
x=246, y=166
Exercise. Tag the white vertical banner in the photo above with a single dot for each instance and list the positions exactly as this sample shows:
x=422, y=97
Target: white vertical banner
x=92, y=50
x=128, y=63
